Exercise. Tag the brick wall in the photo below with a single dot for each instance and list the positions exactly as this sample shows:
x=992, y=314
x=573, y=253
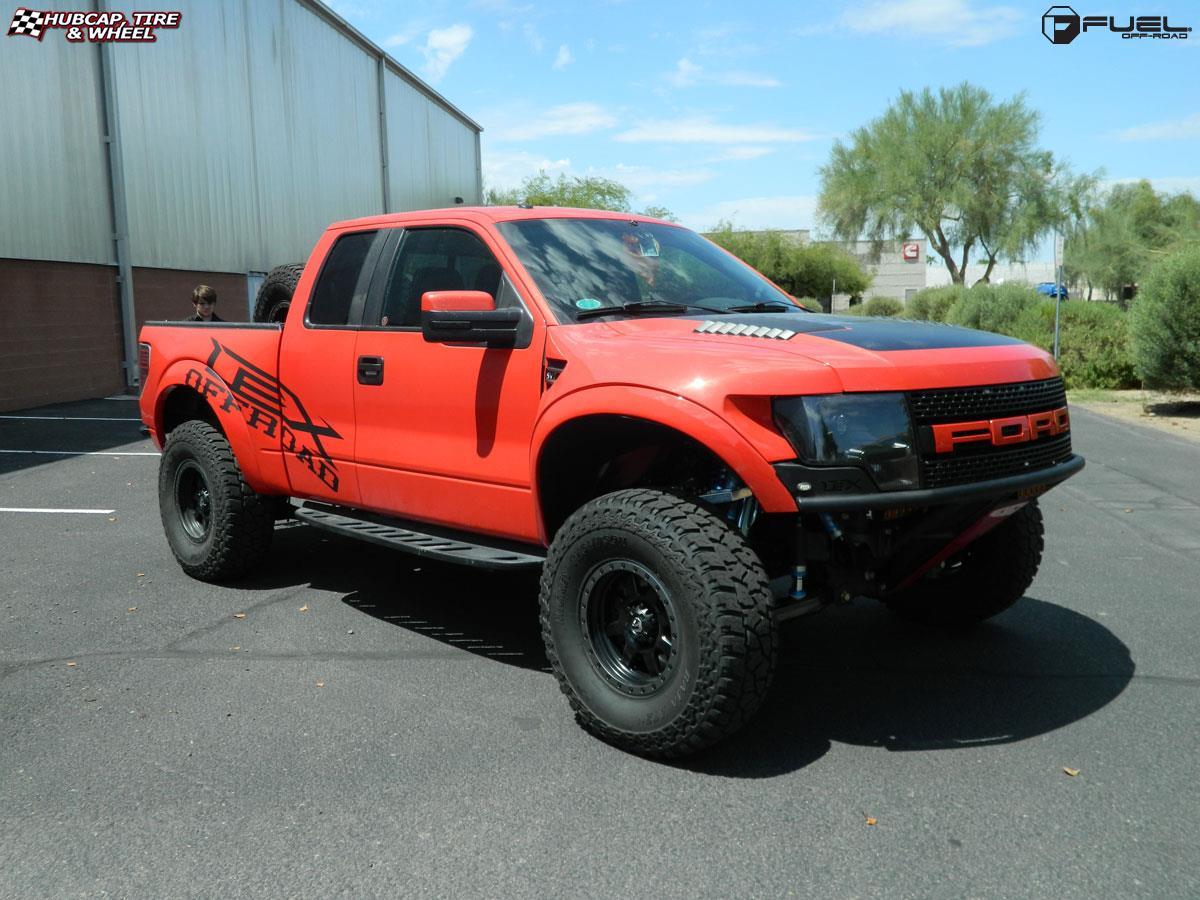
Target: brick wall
x=61, y=337
x=167, y=294
x=61, y=333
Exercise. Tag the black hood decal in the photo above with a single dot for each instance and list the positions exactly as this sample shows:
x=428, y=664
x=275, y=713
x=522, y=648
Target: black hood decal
x=871, y=333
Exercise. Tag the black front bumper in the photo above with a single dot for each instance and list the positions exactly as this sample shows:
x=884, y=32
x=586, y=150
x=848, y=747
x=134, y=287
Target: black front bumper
x=844, y=489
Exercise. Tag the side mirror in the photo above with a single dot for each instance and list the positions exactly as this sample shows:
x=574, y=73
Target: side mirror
x=467, y=317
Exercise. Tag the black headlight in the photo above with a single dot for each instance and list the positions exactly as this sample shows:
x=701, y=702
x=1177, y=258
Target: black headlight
x=872, y=431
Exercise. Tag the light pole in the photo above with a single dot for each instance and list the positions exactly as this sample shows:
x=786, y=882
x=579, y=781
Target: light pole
x=1058, y=285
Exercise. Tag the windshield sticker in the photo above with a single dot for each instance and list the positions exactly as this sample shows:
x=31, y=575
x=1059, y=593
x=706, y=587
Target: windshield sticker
x=268, y=407
x=588, y=303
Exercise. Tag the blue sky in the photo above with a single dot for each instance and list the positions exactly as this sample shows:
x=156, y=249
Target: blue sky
x=728, y=110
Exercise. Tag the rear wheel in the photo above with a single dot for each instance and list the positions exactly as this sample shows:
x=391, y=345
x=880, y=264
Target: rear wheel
x=986, y=578
x=657, y=622
x=275, y=294
x=217, y=527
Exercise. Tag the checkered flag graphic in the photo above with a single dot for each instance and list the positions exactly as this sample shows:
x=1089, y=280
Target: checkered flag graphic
x=27, y=21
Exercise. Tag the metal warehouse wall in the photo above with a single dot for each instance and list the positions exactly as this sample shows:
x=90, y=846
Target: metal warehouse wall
x=54, y=201
x=243, y=134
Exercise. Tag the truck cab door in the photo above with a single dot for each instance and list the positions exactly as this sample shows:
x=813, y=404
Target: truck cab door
x=317, y=367
x=444, y=430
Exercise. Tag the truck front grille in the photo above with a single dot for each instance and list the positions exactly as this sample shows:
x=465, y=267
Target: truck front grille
x=992, y=401
x=972, y=462
x=964, y=468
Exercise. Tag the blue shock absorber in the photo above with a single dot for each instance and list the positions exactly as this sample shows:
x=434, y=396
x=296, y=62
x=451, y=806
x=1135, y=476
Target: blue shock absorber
x=800, y=568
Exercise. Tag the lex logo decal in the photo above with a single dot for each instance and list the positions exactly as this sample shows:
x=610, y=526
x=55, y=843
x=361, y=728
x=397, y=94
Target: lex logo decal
x=1001, y=432
x=268, y=407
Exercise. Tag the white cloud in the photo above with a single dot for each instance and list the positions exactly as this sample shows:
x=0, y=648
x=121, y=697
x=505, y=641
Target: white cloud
x=959, y=23
x=1171, y=130
x=569, y=118
x=504, y=170
x=688, y=74
x=642, y=178
x=741, y=153
x=534, y=38
x=746, y=79
x=442, y=47
x=564, y=57
x=791, y=212
x=703, y=130
x=1171, y=184
x=408, y=32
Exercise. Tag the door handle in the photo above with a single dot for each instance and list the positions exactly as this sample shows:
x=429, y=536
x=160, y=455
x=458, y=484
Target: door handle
x=370, y=370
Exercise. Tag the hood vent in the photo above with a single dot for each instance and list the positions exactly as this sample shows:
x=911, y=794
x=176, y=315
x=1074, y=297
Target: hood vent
x=743, y=330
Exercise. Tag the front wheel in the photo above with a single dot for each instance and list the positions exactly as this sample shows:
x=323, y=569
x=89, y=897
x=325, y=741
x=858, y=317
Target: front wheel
x=986, y=578
x=217, y=527
x=657, y=622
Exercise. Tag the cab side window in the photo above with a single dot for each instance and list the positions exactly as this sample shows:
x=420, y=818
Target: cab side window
x=436, y=259
x=339, y=280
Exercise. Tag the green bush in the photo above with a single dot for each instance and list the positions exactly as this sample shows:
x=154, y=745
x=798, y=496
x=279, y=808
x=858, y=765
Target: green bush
x=803, y=270
x=1093, y=345
x=883, y=306
x=858, y=309
x=1165, y=323
x=810, y=303
x=932, y=304
x=992, y=307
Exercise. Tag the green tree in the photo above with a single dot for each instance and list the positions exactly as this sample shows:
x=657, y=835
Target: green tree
x=589, y=192
x=1125, y=232
x=957, y=166
x=1164, y=323
x=803, y=270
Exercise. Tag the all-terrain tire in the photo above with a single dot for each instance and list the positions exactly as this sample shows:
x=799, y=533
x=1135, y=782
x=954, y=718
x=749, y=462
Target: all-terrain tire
x=275, y=293
x=708, y=587
x=988, y=577
x=217, y=527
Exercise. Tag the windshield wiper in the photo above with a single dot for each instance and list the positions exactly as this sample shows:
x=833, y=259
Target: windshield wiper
x=765, y=307
x=640, y=307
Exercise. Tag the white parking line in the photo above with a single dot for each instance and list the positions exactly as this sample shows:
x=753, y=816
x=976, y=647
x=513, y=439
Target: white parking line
x=72, y=418
x=83, y=452
x=121, y=397
x=94, y=512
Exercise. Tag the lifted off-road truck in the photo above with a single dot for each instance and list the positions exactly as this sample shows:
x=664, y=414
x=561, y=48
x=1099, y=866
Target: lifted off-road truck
x=688, y=455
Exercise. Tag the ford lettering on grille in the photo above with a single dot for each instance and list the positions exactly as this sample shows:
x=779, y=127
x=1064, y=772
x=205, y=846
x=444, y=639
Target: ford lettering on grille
x=1001, y=432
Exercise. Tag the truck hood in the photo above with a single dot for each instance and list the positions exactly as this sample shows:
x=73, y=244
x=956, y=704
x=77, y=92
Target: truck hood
x=785, y=353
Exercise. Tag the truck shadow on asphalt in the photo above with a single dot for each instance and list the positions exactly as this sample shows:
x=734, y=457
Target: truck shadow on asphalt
x=853, y=674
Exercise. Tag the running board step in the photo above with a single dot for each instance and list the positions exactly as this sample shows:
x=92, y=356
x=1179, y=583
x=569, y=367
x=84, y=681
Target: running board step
x=435, y=543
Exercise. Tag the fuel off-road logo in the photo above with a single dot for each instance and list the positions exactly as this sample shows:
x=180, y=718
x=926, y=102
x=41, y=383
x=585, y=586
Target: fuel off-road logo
x=1061, y=25
x=268, y=407
x=94, y=27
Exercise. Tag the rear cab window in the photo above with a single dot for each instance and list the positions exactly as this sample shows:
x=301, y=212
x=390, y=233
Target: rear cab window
x=341, y=286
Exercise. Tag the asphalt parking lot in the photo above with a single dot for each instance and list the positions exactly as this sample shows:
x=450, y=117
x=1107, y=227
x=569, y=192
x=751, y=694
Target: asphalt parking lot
x=353, y=722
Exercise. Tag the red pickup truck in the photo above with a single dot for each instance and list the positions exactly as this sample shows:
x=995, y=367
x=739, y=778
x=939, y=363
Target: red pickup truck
x=688, y=455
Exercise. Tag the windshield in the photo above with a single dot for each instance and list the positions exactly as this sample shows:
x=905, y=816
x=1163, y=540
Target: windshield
x=586, y=266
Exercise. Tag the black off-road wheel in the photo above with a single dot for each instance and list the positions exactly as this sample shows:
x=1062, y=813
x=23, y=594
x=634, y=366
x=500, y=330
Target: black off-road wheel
x=657, y=622
x=217, y=527
x=275, y=293
x=986, y=578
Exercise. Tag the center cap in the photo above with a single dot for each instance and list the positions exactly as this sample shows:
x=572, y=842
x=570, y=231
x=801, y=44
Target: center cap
x=636, y=626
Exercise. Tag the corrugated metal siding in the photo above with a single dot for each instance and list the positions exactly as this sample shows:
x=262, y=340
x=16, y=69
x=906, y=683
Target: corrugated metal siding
x=258, y=129
x=54, y=201
x=244, y=133
x=432, y=153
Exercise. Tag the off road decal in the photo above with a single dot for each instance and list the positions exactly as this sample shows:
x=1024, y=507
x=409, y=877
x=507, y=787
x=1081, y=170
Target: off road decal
x=268, y=407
